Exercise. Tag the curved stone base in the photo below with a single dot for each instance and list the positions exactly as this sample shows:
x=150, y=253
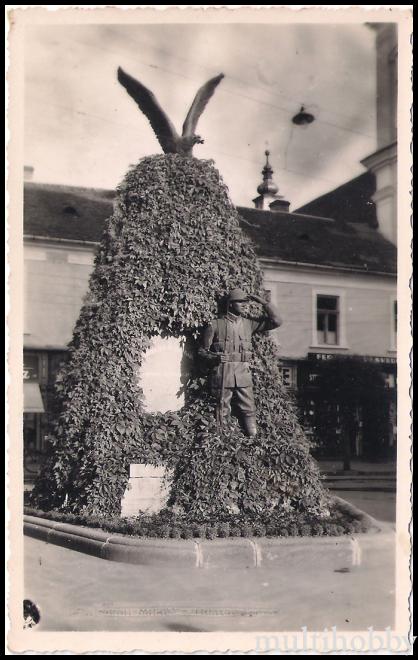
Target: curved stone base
x=337, y=552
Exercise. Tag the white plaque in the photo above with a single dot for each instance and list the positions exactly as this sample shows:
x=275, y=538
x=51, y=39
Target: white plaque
x=147, y=491
x=160, y=375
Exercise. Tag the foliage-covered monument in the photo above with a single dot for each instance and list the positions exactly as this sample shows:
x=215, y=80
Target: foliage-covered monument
x=171, y=249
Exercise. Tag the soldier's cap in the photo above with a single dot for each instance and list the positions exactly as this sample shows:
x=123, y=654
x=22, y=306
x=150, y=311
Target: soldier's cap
x=237, y=295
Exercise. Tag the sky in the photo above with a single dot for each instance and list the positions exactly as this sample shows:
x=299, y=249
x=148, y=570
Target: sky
x=82, y=128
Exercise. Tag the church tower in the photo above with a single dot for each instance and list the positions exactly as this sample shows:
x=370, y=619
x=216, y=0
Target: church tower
x=268, y=191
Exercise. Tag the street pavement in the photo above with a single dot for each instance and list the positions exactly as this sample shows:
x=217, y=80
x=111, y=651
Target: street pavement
x=369, y=486
x=378, y=504
x=358, y=466
x=78, y=592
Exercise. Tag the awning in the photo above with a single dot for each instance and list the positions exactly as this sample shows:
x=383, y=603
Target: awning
x=32, y=398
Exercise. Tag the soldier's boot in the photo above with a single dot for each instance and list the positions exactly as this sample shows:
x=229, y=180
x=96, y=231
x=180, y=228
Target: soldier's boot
x=250, y=426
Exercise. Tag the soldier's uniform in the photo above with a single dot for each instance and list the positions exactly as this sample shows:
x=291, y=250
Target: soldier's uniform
x=231, y=334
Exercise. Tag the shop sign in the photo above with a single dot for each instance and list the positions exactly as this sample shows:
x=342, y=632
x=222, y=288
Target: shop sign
x=31, y=368
x=362, y=358
x=288, y=375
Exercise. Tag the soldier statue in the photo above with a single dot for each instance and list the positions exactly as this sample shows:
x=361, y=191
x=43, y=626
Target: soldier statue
x=226, y=346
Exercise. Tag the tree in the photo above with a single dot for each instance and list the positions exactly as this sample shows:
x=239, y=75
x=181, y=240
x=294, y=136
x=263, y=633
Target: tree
x=171, y=247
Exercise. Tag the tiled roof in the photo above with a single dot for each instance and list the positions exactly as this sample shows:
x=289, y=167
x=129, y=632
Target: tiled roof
x=64, y=212
x=301, y=238
x=351, y=202
x=53, y=211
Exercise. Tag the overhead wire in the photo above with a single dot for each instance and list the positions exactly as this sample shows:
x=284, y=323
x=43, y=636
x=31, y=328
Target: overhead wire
x=223, y=89
x=224, y=153
x=264, y=88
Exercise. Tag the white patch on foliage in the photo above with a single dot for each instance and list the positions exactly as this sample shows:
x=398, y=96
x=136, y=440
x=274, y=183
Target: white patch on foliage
x=160, y=375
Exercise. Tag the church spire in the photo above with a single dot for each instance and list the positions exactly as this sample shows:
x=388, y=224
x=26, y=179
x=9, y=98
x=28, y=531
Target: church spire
x=267, y=187
x=268, y=191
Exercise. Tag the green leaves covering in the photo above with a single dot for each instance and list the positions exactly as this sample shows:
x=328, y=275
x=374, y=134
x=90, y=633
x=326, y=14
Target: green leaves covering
x=171, y=248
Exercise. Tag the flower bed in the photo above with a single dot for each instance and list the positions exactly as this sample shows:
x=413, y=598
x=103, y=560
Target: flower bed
x=167, y=524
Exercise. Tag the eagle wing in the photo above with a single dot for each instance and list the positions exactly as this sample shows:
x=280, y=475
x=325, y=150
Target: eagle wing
x=199, y=104
x=162, y=126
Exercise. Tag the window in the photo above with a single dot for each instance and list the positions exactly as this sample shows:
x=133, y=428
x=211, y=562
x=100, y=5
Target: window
x=34, y=376
x=327, y=319
x=71, y=211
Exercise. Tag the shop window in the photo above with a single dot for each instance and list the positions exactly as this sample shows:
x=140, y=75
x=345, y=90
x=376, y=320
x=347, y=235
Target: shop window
x=32, y=445
x=56, y=362
x=35, y=375
x=30, y=431
x=327, y=320
x=393, y=424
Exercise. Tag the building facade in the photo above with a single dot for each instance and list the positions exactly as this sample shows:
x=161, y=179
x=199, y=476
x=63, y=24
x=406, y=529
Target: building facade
x=332, y=273
x=370, y=200
x=60, y=239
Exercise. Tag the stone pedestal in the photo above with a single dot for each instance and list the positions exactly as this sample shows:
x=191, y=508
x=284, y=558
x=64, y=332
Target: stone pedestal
x=147, y=490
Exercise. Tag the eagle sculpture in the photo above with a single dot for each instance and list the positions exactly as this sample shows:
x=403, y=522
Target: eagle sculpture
x=170, y=140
